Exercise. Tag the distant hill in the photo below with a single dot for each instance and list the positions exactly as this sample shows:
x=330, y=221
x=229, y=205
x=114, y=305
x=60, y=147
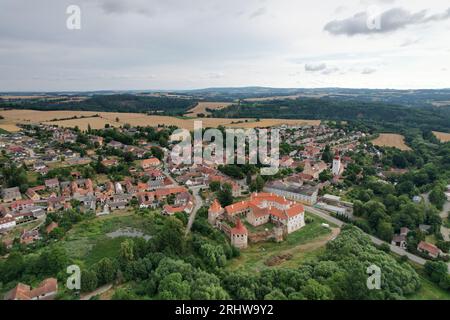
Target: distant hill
x=112, y=103
x=332, y=108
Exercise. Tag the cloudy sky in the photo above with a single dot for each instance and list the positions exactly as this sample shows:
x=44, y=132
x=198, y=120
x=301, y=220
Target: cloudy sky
x=185, y=44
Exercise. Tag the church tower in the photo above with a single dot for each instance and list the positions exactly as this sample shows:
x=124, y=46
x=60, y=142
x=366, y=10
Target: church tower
x=336, y=164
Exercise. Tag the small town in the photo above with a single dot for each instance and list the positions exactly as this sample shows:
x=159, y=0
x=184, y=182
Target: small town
x=222, y=159
x=58, y=176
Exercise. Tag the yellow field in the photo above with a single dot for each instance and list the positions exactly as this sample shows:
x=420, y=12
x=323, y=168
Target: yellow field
x=13, y=117
x=442, y=136
x=202, y=106
x=391, y=140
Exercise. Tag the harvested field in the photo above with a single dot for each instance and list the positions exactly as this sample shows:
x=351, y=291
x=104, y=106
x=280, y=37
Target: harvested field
x=442, y=136
x=202, y=106
x=13, y=117
x=391, y=140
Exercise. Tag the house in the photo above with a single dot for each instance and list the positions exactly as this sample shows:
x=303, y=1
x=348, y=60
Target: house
x=305, y=194
x=115, y=144
x=21, y=205
x=7, y=222
x=150, y=163
x=110, y=162
x=46, y=290
x=28, y=237
x=399, y=240
x=11, y=194
x=430, y=249
x=52, y=183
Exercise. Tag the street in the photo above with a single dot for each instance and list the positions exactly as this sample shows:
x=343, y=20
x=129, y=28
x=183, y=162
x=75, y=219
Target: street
x=198, y=205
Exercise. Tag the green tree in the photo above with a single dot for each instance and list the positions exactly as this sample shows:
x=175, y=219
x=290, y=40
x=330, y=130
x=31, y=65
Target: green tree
x=225, y=195
x=106, y=271
x=88, y=281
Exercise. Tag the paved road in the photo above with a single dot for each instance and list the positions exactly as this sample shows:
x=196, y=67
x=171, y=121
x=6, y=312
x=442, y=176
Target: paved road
x=198, y=205
x=375, y=240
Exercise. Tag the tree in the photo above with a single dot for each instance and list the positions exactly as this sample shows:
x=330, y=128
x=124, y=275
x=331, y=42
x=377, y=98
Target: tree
x=3, y=249
x=126, y=253
x=171, y=237
x=276, y=294
x=327, y=154
x=123, y=294
x=325, y=175
x=214, y=186
x=259, y=183
x=88, y=281
x=313, y=290
x=225, y=195
x=173, y=287
x=385, y=231
x=106, y=271
x=157, y=152
x=437, y=197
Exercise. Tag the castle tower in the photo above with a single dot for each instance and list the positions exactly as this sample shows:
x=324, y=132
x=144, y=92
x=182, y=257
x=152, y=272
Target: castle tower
x=214, y=212
x=239, y=235
x=336, y=164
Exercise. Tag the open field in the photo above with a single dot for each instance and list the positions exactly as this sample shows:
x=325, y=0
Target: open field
x=442, y=136
x=300, y=245
x=391, y=140
x=202, y=106
x=13, y=117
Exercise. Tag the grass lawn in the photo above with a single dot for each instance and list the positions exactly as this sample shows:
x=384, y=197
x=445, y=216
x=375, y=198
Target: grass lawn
x=302, y=244
x=428, y=290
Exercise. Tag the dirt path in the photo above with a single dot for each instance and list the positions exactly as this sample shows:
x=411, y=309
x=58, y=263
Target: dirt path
x=96, y=292
x=316, y=244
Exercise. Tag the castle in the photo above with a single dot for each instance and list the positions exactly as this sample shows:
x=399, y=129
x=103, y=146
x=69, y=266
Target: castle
x=287, y=217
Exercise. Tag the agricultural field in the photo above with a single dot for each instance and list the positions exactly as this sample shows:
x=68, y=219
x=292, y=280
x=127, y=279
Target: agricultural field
x=391, y=140
x=442, y=136
x=202, y=106
x=98, y=120
x=300, y=245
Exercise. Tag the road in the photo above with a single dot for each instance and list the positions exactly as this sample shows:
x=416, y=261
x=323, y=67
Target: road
x=375, y=240
x=198, y=205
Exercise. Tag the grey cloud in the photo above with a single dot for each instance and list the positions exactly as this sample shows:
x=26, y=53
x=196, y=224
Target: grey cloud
x=259, y=12
x=389, y=21
x=330, y=70
x=369, y=71
x=315, y=67
x=124, y=7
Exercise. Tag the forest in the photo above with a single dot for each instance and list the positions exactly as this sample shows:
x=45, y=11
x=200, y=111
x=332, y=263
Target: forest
x=393, y=116
x=108, y=103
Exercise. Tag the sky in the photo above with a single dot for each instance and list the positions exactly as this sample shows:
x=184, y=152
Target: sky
x=189, y=44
